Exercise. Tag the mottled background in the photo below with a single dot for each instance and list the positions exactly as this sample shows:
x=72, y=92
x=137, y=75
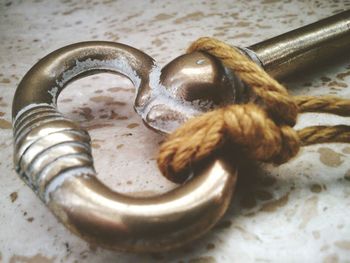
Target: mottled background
x=298, y=212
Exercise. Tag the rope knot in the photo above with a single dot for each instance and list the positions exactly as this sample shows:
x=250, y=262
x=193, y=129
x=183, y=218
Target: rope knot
x=245, y=127
x=261, y=129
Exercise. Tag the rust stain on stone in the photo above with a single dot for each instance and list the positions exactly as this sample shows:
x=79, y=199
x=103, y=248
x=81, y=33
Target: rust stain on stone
x=66, y=100
x=101, y=98
x=332, y=258
x=95, y=145
x=118, y=89
x=97, y=126
x=68, y=12
x=4, y=124
x=309, y=211
x=343, y=244
x=38, y=258
x=243, y=35
x=269, y=1
x=116, y=116
x=262, y=26
x=157, y=42
x=315, y=188
x=115, y=102
x=133, y=16
x=337, y=84
x=246, y=234
x=86, y=112
x=13, y=196
x=202, y=260
x=275, y=204
x=329, y=157
x=162, y=17
x=195, y=16
x=342, y=76
x=346, y=150
x=5, y=81
x=133, y=125
x=242, y=24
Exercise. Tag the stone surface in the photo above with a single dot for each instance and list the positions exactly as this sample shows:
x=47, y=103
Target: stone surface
x=297, y=212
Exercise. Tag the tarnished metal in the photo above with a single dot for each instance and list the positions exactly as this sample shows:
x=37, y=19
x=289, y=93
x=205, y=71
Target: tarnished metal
x=53, y=154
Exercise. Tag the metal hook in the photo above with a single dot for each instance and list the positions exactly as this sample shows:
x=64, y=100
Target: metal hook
x=53, y=156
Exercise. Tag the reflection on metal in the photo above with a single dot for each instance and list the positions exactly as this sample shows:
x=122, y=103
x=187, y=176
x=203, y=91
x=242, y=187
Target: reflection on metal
x=305, y=47
x=53, y=155
x=189, y=85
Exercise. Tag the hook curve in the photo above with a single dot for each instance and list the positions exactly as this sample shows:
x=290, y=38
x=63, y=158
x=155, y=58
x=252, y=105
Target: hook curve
x=52, y=154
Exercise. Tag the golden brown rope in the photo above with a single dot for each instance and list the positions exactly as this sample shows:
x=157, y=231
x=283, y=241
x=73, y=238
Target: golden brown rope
x=261, y=129
x=327, y=104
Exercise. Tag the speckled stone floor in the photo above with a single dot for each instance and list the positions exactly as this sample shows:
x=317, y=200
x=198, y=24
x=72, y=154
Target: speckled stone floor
x=297, y=212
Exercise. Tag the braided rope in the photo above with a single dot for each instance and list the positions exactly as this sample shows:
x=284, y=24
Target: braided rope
x=327, y=104
x=261, y=129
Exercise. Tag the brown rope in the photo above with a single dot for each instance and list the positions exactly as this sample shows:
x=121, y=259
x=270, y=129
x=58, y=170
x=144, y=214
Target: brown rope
x=261, y=129
x=327, y=104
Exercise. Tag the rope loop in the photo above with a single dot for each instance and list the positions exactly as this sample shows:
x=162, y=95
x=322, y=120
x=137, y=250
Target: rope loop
x=261, y=129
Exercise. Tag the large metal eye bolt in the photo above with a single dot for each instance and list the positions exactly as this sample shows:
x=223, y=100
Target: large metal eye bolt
x=53, y=156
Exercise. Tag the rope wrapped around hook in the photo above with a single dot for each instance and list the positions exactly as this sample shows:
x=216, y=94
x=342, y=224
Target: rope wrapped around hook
x=262, y=128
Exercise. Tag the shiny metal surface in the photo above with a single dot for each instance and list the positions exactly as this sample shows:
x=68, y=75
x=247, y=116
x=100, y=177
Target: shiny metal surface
x=192, y=77
x=49, y=76
x=52, y=154
x=158, y=223
x=190, y=85
x=306, y=46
